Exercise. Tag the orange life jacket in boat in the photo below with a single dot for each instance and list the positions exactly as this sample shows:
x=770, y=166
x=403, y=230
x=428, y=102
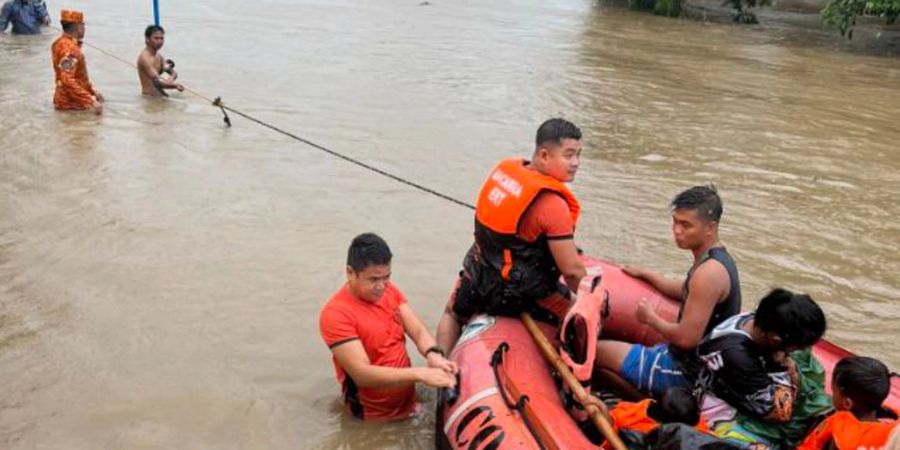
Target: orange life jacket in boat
x=509, y=272
x=634, y=418
x=849, y=433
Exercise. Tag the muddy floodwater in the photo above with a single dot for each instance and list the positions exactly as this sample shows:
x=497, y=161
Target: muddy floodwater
x=161, y=275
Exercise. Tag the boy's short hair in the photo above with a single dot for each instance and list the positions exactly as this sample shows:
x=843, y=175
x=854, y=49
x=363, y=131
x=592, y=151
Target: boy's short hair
x=796, y=318
x=368, y=249
x=677, y=405
x=703, y=199
x=864, y=380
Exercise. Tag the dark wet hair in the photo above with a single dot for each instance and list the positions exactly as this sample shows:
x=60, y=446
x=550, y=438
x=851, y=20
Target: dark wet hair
x=864, y=380
x=677, y=405
x=555, y=130
x=796, y=318
x=703, y=199
x=367, y=250
x=153, y=29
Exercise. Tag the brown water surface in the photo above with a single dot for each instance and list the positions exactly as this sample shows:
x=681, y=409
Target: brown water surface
x=161, y=276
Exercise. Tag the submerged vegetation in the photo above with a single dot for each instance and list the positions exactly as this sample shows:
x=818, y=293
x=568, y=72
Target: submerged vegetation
x=669, y=8
x=743, y=9
x=841, y=14
x=674, y=8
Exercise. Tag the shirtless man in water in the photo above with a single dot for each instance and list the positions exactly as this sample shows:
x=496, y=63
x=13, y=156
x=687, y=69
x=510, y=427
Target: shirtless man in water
x=156, y=73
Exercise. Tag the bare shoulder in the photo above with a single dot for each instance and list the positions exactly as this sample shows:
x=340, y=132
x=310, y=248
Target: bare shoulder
x=711, y=274
x=144, y=57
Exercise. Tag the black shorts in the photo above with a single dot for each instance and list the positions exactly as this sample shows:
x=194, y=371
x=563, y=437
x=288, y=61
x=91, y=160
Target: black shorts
x=466, y=301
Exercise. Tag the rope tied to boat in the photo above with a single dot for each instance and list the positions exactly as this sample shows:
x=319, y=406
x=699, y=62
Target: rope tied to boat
x=521, y=403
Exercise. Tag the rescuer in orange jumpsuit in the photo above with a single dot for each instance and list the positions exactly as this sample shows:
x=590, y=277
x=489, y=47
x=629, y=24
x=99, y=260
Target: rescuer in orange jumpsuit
x=74, y=90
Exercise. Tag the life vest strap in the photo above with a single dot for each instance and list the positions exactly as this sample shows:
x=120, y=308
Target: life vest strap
x=507, y=264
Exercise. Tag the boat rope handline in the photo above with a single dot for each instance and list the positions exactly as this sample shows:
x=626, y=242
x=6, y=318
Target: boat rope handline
x=217, y=102
x=520, y=404
x=496, y=360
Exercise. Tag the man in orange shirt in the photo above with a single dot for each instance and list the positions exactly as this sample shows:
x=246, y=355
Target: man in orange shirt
x=74, y=90
x=364, y=324
x=524, y=237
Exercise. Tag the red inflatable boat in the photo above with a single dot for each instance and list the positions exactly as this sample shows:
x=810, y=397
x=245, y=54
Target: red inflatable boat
x=507, y=397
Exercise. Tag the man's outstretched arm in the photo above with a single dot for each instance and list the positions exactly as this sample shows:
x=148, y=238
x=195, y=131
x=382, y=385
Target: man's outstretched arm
x=353, y=359
x=709, y=283
x=425, y=343
x=667, y=286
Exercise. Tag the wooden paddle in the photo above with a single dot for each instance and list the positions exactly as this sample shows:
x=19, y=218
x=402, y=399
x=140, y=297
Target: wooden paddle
x=554, y=359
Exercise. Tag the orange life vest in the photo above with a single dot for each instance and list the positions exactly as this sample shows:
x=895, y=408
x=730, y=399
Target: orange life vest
x=509, y=272
x=849, y=433
x=508, y=192
x=633, y=417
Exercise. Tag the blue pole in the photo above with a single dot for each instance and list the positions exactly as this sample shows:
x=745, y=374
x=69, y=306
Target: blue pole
x=156, y=12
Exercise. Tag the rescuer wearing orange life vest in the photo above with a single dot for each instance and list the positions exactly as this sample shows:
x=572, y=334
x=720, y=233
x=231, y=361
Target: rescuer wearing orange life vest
x=524, y=236
x=74, y=90
x=859, y=386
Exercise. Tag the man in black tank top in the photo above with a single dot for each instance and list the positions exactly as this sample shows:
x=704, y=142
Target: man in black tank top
x=726, y=307
x=710, y=293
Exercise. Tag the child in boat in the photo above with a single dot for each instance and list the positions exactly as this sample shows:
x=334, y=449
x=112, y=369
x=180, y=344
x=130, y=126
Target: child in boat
x=632, y=420
x=859, y=386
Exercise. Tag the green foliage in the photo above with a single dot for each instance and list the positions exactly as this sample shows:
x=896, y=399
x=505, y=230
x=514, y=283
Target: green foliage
x=842, y=13
x=670, y=8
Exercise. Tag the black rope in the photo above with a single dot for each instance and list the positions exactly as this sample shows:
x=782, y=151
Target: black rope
x=225, y=118
x=217, y=102
x=344, y=157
